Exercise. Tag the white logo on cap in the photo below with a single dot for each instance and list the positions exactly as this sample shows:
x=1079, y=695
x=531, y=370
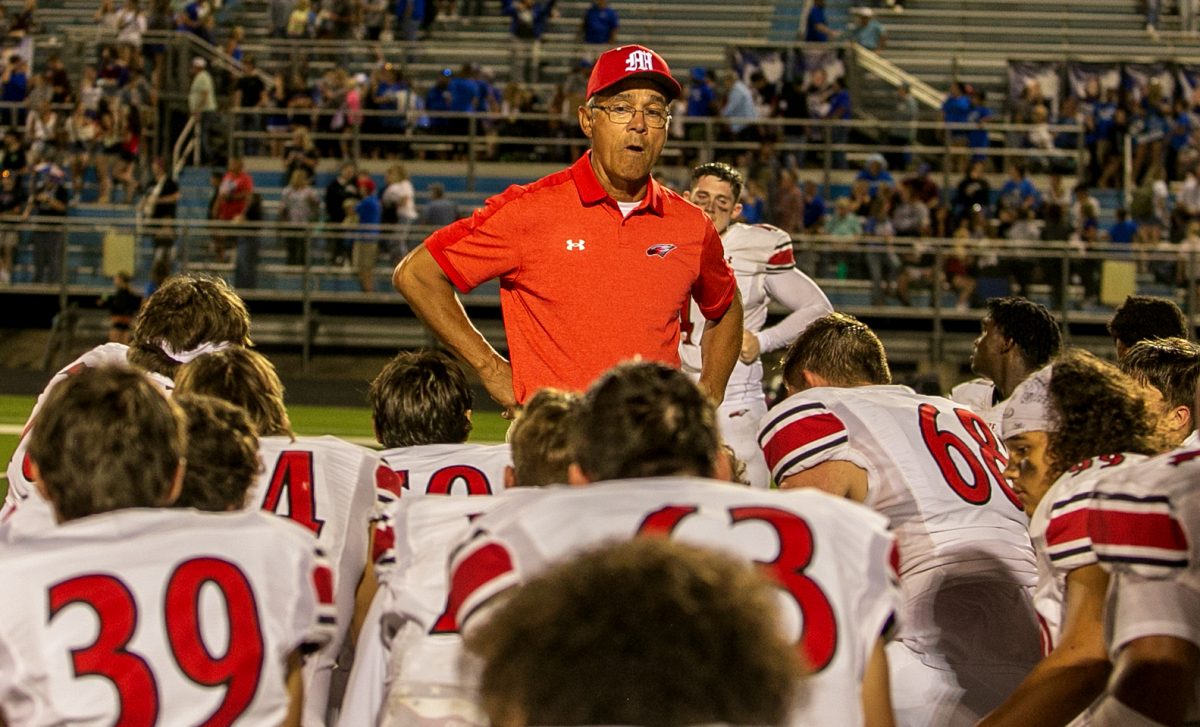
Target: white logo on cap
x=639, y=60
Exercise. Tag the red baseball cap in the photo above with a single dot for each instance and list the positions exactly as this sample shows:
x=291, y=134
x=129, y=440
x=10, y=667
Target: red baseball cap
x=632, y=61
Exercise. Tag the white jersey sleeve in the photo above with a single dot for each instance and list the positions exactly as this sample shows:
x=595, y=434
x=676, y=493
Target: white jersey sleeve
x=157, y=616
x=979, y=395
x=1059, y=531
x=800, y=434
x=20, y=477
x=834, y=614
x=449, y=469
x=330, y=487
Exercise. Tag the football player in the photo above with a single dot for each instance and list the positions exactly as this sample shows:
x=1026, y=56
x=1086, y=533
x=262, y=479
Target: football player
x=1144, y=317
x=935, y=470
x=189, y=315
x=421, y=405
x=406, y=657
x=222, y=455
x=645, y=446
x=128, y=613
x=1071, y=425
x=763, y=263
x=646, y=632
x=326, y=484
x=1170, y=369
x=1018, y=337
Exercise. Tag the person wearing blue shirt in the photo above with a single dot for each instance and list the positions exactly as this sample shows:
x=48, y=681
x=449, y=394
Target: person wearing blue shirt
x=868, y=32
x=529, y=19
x=955, y=109
x=739, y=104
x=875, y=173
x=437, y=98
x=977, y=138
x=1124, y=231
x=814, y=208
x=365, y=252
x=1018, y=192
x=816, y=26
x=839, y=110
x=410, y=14
x=14, y=87
x=600, y=24
x=1181, y=132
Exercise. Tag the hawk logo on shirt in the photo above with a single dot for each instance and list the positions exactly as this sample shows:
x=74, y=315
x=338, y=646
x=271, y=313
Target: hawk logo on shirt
x=660, y=250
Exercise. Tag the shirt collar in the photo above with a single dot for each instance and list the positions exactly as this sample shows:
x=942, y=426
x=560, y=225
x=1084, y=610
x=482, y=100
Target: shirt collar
x=591, y=192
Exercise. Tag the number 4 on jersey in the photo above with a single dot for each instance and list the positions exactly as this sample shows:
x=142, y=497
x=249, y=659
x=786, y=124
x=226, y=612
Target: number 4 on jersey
x=293, y=480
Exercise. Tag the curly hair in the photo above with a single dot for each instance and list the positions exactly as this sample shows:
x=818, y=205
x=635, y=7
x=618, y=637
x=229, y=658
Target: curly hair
x=1100, y=411
x=246, y=379
x=187, y=310
x=1029, y=325
x=541, y=450
x=647, y=632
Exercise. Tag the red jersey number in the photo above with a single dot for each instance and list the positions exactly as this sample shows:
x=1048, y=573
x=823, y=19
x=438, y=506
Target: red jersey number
x=818, y=640
x=982, y=457
x=442, y=482
x=294, y=480
x=238, y=670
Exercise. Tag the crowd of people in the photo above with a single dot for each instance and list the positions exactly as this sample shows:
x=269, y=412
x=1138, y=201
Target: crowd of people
x=851, y=552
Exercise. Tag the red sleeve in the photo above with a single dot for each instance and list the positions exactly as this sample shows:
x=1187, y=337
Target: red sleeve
x=480, y=247
x=714, y=288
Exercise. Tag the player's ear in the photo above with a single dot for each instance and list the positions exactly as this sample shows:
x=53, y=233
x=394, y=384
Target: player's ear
x=585, y=120
x=737, y=211
x=575, y=475
x=469, y=412
x=813, y=379
x=510, y=477
x=176, y=484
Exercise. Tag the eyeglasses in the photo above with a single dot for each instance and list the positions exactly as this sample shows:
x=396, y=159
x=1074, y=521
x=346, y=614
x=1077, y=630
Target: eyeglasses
x=621, y=113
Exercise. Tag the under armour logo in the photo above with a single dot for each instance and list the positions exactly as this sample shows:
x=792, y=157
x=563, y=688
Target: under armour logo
x=572, y=245
x=660, y=250
x=639, y=60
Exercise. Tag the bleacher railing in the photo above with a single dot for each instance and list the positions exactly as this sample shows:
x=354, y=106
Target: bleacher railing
x=294, y=266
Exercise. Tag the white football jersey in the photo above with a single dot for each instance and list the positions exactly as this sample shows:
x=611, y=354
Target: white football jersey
x=330, y=487
x=804, y=540
x=1059, y=531
x=763, y=263
x=935, y=470
x=449, y=469
x=979, y=395
x=20, y=478
x=413, y=542
x=159, y=617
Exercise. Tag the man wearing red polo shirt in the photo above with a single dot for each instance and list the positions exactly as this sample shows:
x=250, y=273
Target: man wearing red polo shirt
x=595, y=262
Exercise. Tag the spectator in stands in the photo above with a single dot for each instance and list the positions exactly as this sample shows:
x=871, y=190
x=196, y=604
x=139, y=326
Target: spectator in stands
x=789, y=204
x=410, y=15
x=131, y=25
x=341, y=188
x=399, y=210
x=881, y=260
x=978, y=139
x=955, y=110
x=437, y=99
x=816, y=24
x=278, y=14
x=701, y=102
x=24, y=22
x=162, y=204
x=106, y=16
x=13, y=158
x=366, y=241
x=1018, y=192
x=1124, y=231
x=839, y=111
x=926, y=189
x=814, y=209
x=1153, y=8
x=875, y=173
x=740, y=109
x=202, y=105
x=529, y=21
x=302, y=20
x=299, y=209
x=438, y=211
x=867, y=31
x=464, y=99
x=122, y=304
x=12, y=204
x=1145, y=317
x=233, y=196
x=1181, y=128
x=903, y=129
x=196, y=18
x=754, y=203
x=374, y=18
x=352, y=110
x=600, y=23
x=14, y=86
x=42, y=132
x=48, y=202
x=1084, y=206
x=249, y=98
x=300, y=153
x=391, y=95
x=249, y=241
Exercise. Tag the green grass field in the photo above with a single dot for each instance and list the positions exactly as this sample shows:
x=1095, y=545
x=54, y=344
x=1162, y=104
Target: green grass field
x=350, y=422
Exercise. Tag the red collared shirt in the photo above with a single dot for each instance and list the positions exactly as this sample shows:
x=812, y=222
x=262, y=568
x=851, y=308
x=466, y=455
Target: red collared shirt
x=581, y=287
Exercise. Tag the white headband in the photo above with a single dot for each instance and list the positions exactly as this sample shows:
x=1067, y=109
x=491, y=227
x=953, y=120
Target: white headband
x=192, y=354
x=1028, y=409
